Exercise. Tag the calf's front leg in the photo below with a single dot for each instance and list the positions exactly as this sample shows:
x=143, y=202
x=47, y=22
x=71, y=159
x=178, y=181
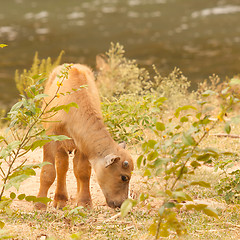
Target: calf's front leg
x=82, y=172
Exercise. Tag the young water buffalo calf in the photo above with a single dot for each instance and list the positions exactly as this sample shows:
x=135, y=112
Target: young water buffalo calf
x=90, y=139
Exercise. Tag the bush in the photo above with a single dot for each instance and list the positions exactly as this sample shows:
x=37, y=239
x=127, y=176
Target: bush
x=23, y=134
x=40, y=69
x=173, y=155
x=119, y=75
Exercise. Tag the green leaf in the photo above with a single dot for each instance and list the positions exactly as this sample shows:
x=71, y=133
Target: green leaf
x=195, y=164
x=169, y=205
x=153, y=229
x=25, y=170
x=126, y=207
x=58, y=137
x=9, y=148
x=165, y=232
x=39, y=143
x=151, y=144
x=76, y=236
x=152, y=155
x=143, y=197
x=161, y=210
x=40, y=96
x=181, y=196
x=30, y=198
x=139, y=161
x=21, y=196
x=187, y=107
x=190, y=206
x=66, y=108
x=198, y=115
x=12, y=195
x=76, y=210
x=44, y=200
x=205, y=157
x=210, y=212
x=147, y=173
x=2, y=138
x=184, y=119
x=160, y=126
x=2, y=224
x=188, y=139
x=16, y=106
x=16, y=181
x=227, y=128
x=201, y=183
x=200, y=206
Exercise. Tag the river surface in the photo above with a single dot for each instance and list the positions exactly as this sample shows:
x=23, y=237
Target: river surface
x=199, y=36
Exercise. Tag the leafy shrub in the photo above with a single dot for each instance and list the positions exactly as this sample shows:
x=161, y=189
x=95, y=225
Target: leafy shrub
x=173, y=155
x=39, y=69
x=229, y=187
x=23, y=134
x=119, y=75
x=130, y=116
x=174, y=87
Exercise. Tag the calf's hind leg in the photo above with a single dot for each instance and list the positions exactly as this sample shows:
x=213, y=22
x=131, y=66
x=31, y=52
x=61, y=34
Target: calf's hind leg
x=48, y=172
x=82, y=172
x=61, y=196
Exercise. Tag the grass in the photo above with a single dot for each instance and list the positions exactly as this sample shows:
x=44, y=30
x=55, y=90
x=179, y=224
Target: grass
x=202, y=227
x=100, y=223
x=104, y=223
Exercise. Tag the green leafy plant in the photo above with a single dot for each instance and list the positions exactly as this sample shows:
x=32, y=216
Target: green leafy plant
x=25, y=133
x=40, y=69
x=173, y=155
x=174, y=87
x=130, y=116
x=229, y=186
x=119, y=75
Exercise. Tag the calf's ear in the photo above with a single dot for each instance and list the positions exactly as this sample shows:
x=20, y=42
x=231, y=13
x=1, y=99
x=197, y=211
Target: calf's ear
x=110, y=159
x=122, y=145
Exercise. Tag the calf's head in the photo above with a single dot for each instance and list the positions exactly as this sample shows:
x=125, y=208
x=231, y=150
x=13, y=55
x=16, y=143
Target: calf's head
x=113, y=175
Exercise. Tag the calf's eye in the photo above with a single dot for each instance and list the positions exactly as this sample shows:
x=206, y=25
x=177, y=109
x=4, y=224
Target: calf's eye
x=125, y=178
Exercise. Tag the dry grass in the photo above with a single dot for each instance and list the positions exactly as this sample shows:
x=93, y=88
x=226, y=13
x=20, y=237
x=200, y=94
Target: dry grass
x=104, y=223
x=101, y=222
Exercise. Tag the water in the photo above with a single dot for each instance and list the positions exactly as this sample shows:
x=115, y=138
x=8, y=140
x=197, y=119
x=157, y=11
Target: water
x=200, y=37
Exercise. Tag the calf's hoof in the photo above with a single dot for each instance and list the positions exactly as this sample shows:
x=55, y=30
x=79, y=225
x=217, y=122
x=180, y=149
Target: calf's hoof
x=40, y=206
x=59, y=204
x=60, y=201
x=85, y=203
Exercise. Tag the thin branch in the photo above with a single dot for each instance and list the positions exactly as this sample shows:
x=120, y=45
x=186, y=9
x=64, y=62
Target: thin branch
x=3, y=173
x=225, y=135
x=19, y=165
x=14, y=136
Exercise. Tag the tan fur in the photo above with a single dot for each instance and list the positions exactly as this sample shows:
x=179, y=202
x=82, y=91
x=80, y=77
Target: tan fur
x=94, y=145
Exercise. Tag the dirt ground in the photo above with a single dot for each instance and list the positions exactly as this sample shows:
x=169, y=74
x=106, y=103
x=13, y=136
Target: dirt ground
x=31, y=185
x=25, y=229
